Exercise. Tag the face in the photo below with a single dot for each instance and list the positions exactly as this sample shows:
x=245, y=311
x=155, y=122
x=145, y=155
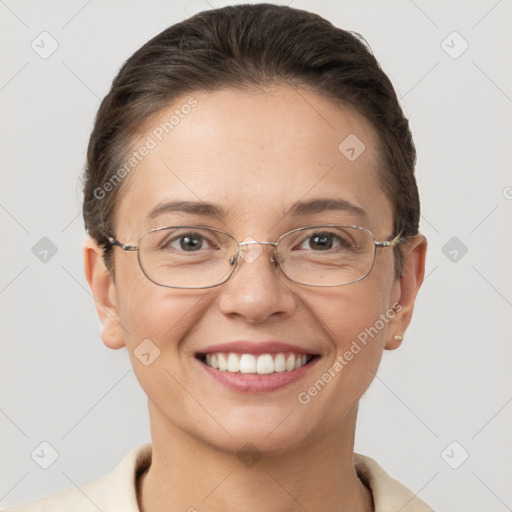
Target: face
x=255, y=155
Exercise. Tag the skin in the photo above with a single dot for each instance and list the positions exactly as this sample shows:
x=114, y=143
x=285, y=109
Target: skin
x=254, y=153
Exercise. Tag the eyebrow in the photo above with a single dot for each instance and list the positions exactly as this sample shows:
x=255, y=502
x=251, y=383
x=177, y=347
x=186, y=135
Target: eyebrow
x=198, y=208
x=321, y=205
x=299, y=208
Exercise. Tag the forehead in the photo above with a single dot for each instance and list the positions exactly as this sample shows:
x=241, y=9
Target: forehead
x=254, y=153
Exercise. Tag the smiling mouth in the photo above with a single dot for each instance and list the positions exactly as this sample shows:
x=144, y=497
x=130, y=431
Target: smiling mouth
x=259, y=364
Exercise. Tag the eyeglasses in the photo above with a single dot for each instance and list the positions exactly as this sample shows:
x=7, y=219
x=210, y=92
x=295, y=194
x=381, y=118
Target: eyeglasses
x=203, y=257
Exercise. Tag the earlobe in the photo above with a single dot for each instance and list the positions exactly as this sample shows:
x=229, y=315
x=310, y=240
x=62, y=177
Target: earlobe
x=394, y=342
x=410, y=283
x=104, y=292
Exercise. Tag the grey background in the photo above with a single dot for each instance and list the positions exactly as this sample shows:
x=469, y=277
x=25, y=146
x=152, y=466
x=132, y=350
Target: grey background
x=451, y=379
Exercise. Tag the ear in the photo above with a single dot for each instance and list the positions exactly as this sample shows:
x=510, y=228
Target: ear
x=104, y=292
x=412, y=277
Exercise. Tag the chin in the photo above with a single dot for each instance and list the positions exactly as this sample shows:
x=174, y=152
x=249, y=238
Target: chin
x=269, y=433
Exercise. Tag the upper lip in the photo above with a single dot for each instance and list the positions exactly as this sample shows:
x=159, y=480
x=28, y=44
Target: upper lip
x=255, y=347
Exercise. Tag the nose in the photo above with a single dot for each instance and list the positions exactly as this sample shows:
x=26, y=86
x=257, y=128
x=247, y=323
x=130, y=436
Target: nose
x=257, y=290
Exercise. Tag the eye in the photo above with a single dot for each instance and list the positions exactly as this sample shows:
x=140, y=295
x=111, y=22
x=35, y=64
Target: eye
x=319, y=241
x=323, y=241
x=188, y=242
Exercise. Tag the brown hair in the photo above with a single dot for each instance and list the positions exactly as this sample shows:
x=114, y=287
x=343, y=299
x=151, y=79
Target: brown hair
x=243, y=46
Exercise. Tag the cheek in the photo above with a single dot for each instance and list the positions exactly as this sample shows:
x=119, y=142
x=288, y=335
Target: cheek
x=149, y=311
x=161, y=316
x=156, y=320
x=356, y=322
x=351, y=320
x=350, y=312
x=360, y=338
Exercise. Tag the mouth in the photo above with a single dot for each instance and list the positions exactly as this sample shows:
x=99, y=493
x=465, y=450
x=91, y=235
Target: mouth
x=256, y=367
x=256, y=364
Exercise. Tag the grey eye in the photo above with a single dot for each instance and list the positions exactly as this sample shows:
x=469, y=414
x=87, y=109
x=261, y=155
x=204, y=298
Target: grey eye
x=323, y=241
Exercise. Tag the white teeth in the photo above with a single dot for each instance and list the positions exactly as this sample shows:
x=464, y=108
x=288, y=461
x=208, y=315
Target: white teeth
x=223, y=364
x=279, y=363
x=250, y=363
x=233, y=363
x=265, y=364
x=247, y=363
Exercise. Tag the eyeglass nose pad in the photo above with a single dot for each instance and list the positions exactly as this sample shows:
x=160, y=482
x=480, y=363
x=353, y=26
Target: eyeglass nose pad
x=250, y=249
x=244, y=252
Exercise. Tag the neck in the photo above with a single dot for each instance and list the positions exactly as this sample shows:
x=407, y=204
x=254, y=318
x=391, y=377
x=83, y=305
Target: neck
x=188, y=475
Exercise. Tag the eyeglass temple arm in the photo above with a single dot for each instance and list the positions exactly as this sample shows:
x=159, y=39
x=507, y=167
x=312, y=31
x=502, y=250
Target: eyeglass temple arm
x=125, y=247
x=399, y=239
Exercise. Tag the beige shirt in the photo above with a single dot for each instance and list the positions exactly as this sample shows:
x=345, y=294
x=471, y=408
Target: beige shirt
x=116, y=491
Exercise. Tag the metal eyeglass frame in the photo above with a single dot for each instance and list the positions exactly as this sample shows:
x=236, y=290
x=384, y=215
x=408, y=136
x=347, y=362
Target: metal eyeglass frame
x=397, y=240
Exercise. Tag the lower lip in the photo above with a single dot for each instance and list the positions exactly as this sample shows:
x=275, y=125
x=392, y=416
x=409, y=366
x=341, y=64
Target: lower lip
x=254, y=383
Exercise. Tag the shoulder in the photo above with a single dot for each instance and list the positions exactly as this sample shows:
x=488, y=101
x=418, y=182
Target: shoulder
x=388, y=493
x=113, y=492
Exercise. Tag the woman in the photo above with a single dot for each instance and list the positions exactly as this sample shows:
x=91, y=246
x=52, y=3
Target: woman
x=253, y=217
